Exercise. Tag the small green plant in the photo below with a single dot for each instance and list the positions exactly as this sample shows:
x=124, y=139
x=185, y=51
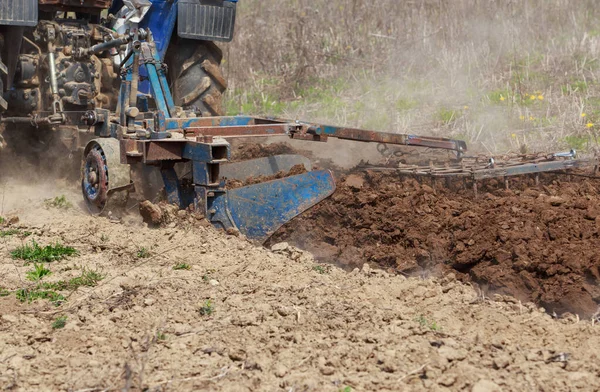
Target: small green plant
x=60, y=322
x=207, y=308
x=143, y=253
x=432, y=325
x=2, y=220
x=576, y=142
x=346, y=389
x=9, y=232
x=88, y=278
x=160, y=335
x=59, y=202
x=38, y=272
x=447, y=116
x=30, y=295
x=320, y=269
x=104, y=238
x=183, y=266
x=4, y=292
x=36, y=253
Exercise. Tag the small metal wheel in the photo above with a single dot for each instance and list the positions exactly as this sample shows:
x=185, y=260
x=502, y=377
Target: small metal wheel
x=94, y=183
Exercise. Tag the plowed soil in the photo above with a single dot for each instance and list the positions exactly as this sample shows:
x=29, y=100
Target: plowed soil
x=242, y=318
x=539, y=243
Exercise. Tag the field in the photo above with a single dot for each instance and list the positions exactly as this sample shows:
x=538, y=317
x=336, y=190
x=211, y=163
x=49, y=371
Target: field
x=392, y=283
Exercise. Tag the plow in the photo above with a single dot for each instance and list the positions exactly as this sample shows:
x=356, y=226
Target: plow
x=136, y=83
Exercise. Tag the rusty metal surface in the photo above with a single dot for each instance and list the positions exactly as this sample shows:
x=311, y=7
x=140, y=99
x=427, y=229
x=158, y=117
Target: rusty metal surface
x=478, y=168
x=239, y=130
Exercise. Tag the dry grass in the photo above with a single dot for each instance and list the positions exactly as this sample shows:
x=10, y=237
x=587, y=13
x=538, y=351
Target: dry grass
x=466, y=68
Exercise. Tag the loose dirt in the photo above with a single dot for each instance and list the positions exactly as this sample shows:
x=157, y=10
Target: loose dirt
x=277, y=320
x=536, y=243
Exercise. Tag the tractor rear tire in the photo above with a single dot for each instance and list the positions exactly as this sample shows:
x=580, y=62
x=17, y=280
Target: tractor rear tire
x=195, y=76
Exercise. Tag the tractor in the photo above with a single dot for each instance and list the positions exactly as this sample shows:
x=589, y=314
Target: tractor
x=130, y=84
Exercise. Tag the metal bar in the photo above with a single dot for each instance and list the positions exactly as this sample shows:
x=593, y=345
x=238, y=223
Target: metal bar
x=388, y=138
x=533, y=168
x=240, y=131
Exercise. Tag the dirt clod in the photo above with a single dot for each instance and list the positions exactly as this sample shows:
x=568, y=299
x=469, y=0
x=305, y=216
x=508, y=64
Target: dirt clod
x=537, y=244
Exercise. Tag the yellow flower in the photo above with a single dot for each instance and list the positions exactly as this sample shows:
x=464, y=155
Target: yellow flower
x=466, y=108
x=583, y=115
x=522, y=118
x=514, y=135
x=501, y=97
x=532, y=97
x=589, y=125
x=531, y=118
x=540, y=97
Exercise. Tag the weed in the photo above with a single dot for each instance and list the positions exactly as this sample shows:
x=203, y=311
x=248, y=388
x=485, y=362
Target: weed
x=143, y=253
x=9, y=232
x=88, y=278
x=59, y=202
x=38, y=272
x=207, y=308
x=60, y=322
x=183, y=266
x=446, y=116
x=30, y=295
x=320, y=269
x=346, y=389
x=4, y=292
x=405, y=104
x=161, y=335
x=432, y=325
x=2, y=220
x=576, y=142
x=104, y=238
x=35, y=253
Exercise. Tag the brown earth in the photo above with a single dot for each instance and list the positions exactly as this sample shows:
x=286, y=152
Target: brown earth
x=278, y=320
x=537, y=243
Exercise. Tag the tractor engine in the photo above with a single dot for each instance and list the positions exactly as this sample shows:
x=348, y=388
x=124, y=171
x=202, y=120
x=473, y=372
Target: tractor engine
x=58, y=70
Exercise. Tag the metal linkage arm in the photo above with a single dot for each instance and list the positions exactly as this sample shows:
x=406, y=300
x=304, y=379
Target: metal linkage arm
x=362, y=135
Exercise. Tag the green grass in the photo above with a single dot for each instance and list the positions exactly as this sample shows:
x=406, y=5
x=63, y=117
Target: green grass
x=577, y=142
x=432, y=325
x=404, y=104
x=447, y=116
x=49, y=290
x=30, y=295
x=38, y=272
x=35, y=253
x=321, y=269
x=2, y=220
x=9, y=232
x=88, y=278
x=143, y=253
x=60, y=202
x=60, y=322
x=207, y=308
x=182, y=266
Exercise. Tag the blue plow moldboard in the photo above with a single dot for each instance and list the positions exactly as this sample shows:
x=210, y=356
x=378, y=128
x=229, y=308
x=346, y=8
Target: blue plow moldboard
x=259, y=210
x=267, y=166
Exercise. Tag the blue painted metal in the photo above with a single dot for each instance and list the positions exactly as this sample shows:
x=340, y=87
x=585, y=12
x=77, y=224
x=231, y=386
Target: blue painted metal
x=257, y=211
x=203, y=152
x=171, y=181
x=267, y=166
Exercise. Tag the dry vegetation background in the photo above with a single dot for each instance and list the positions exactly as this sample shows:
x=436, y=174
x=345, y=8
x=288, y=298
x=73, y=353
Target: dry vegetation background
x=503, y=75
